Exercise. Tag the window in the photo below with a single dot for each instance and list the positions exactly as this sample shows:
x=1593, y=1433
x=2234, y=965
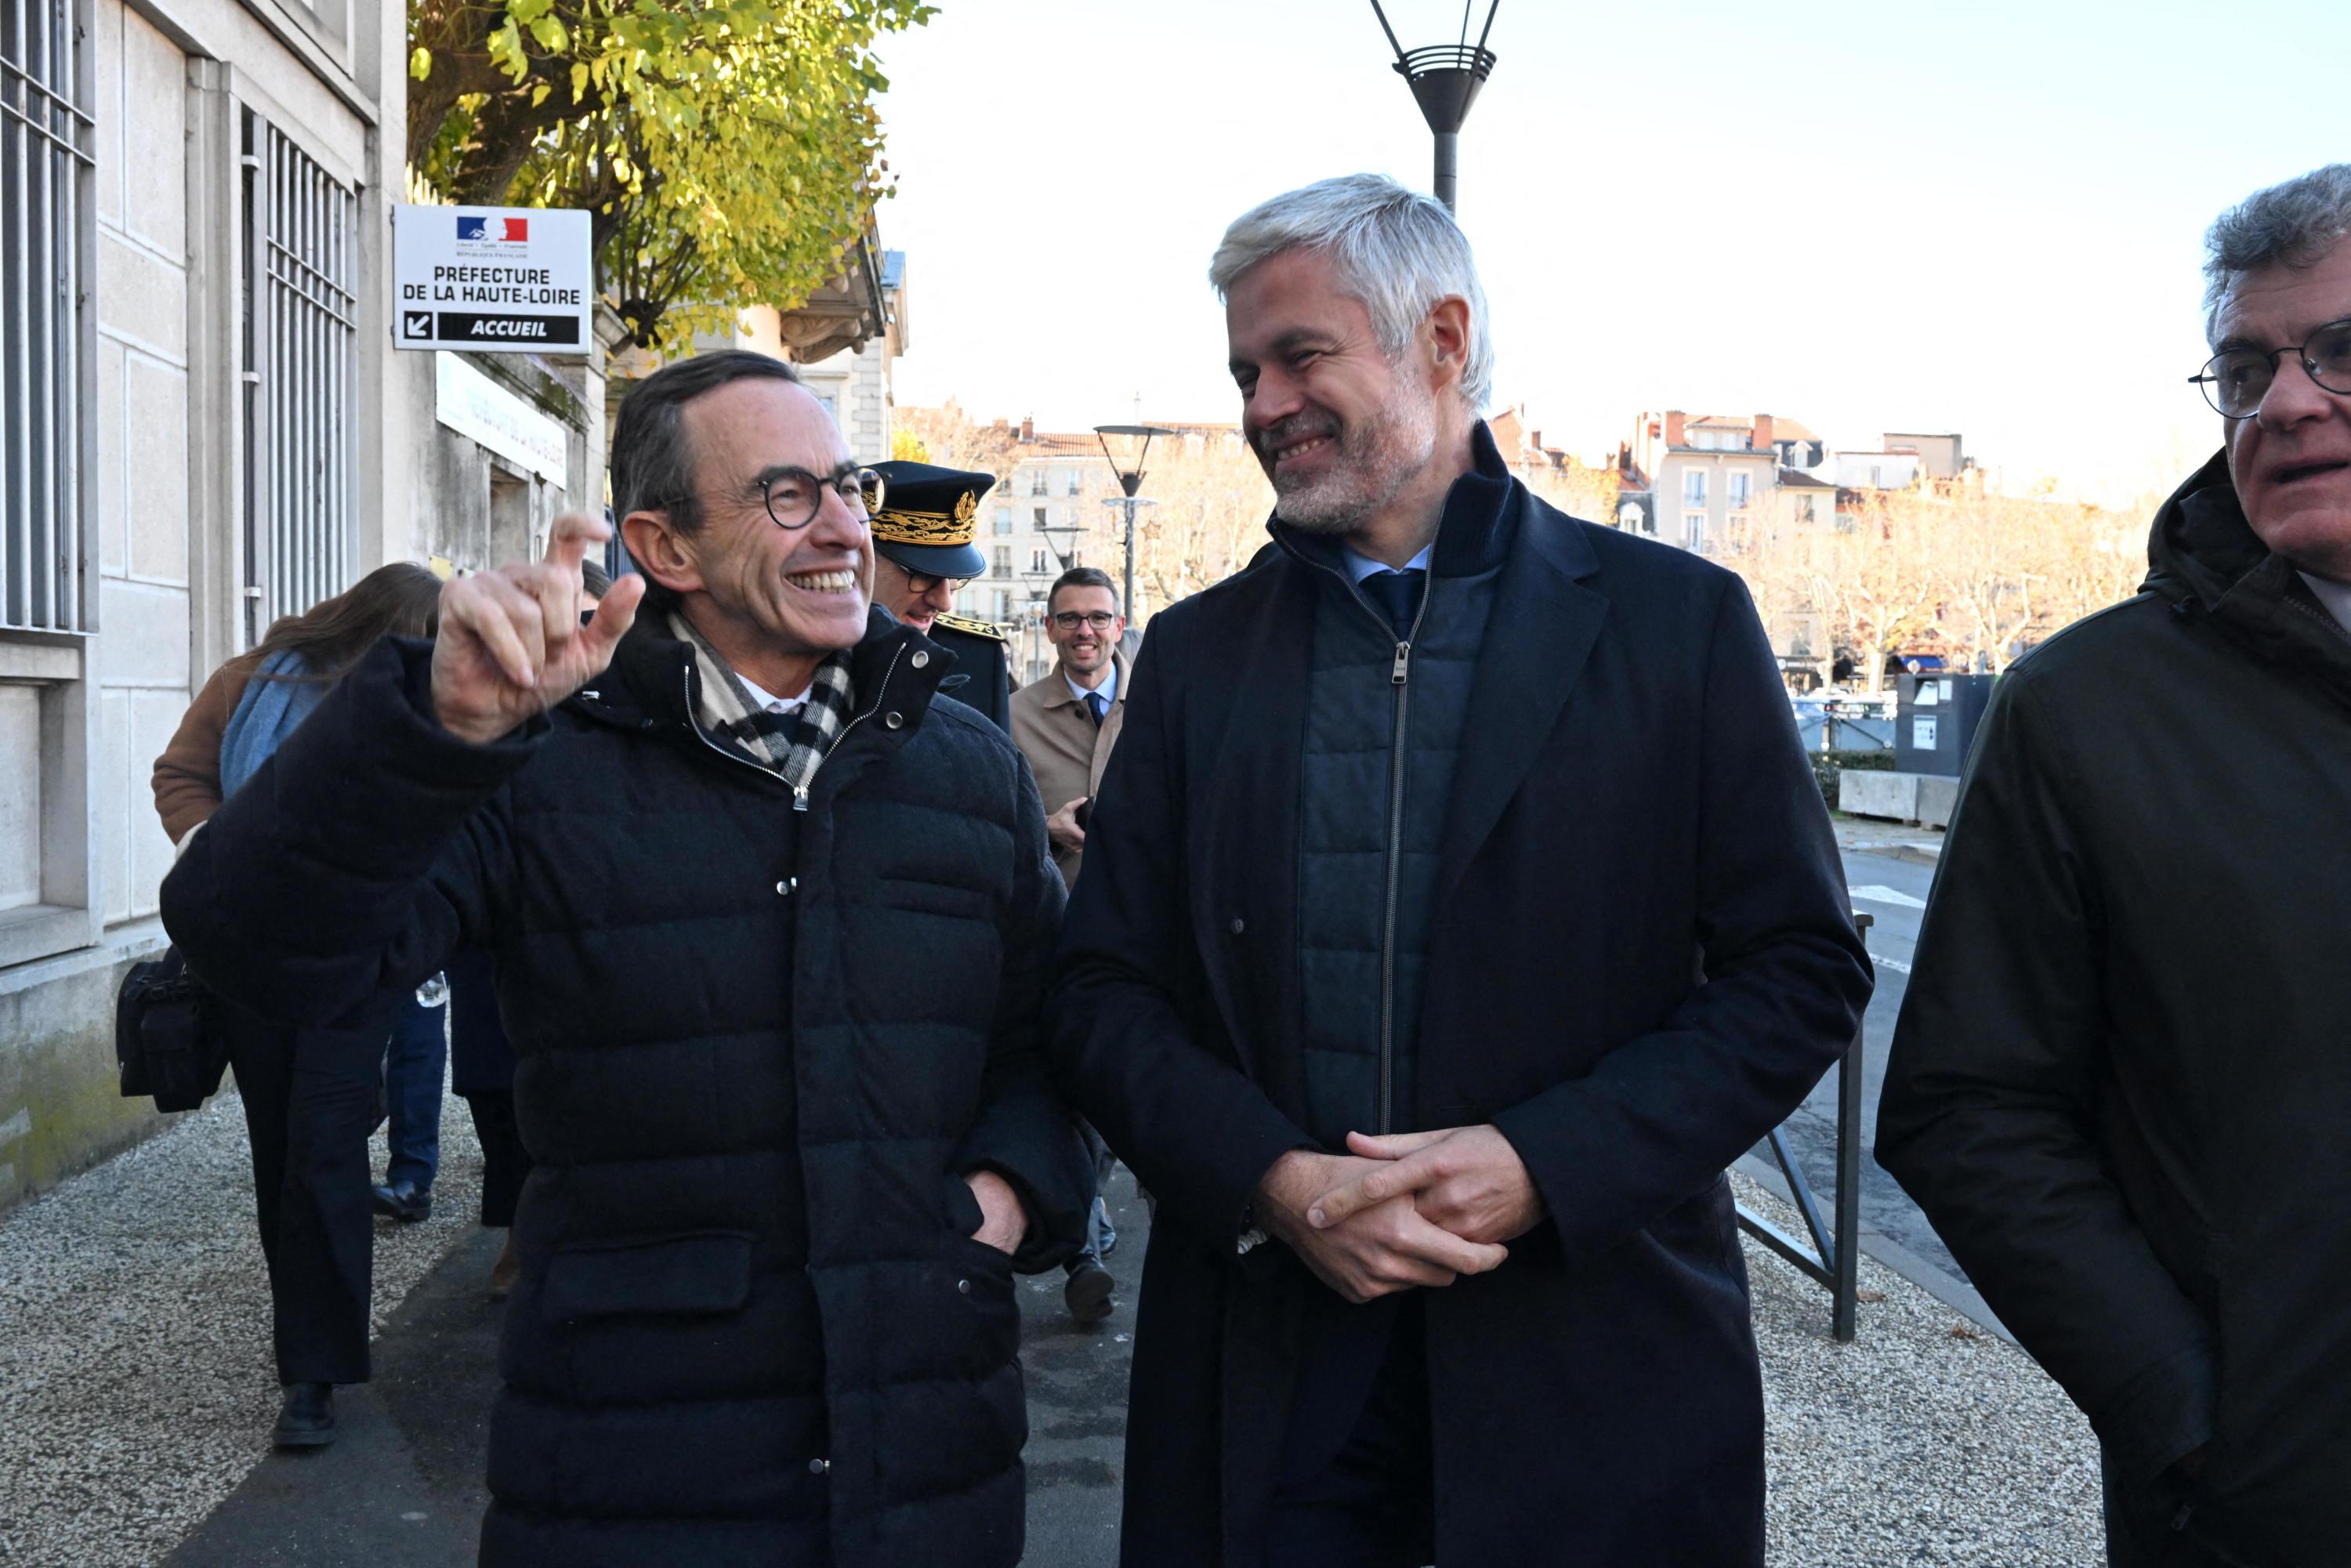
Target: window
x=1003, y=520
x=1694, y=530
x=45, y=159
x=1076, y=485
x=51, y=888
x=1003, y=606
x=1036, y=482
x=1694, y=487
x=1037, y=559
x=1000, y=564
x=1039, y=518
x=1739, y=484
x=1803, y=509
x=301, y=438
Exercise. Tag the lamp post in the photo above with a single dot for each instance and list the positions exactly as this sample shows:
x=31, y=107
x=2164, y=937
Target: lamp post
x=1445, y=80
x=1134, y=440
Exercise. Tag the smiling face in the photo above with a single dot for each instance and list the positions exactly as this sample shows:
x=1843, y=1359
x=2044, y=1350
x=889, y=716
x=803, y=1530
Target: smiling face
x=757, y=591
x=1339, y=429
x=2291, y=459
x=1084, y=651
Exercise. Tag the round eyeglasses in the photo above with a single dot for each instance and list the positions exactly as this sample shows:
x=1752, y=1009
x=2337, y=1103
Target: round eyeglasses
x=2236, y=380
x=795, y=495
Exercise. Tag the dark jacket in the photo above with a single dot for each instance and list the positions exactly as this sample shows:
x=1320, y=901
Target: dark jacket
x=1630, y=801
x=2121, y=1085
x=984, y=661
x=756, y=1047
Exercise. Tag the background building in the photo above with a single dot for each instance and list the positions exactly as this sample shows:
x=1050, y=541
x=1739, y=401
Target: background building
x=203, y=427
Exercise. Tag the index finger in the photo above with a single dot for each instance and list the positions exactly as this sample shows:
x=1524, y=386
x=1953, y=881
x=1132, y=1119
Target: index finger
x=1426, y=1239
x=567, y=541
x=1408, y=1175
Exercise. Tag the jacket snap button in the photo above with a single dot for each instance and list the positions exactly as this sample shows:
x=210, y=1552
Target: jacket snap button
x=920, y=659
x=962, y=1287
x=784, y=887
x=894, y=721
x=818, y=1466
x=1239, y=926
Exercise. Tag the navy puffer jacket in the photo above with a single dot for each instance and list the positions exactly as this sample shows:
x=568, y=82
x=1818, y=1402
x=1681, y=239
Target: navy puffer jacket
x=757, y=1049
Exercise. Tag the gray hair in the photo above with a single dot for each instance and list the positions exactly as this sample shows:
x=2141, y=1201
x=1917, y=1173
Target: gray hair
x=2295, y=225
x=1397, y=251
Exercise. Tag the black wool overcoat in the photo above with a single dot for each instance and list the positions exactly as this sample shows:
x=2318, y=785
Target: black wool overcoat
x=1642, y=958
x=757, y=1049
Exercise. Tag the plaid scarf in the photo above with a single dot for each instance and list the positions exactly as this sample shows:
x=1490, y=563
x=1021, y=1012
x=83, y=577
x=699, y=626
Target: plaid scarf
x=791, y=743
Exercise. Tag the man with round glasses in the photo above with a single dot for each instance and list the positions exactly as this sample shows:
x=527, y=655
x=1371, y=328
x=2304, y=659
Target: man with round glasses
x=2121, y=1084
x=770, y=925
x=923, y=557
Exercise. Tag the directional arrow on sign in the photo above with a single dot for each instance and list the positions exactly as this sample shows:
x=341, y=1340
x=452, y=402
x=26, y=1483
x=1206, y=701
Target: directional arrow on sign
x=416, y=324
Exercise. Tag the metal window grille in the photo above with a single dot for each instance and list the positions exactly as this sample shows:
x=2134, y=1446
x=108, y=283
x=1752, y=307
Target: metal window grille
x=301, y=435
x=47, y=165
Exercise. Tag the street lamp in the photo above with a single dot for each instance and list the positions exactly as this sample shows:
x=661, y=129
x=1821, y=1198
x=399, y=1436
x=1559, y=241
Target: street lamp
x=1445, y=80
x=1134, y=442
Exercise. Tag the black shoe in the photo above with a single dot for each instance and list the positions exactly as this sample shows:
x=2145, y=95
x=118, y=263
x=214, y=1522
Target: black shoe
x=406, y=1201
x=1088, y=1292
x=307, y=1418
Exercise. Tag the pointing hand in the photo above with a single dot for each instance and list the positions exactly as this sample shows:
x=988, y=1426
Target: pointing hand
x=511, y=645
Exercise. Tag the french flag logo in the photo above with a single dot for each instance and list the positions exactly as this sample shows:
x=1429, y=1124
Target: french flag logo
x=508, y=231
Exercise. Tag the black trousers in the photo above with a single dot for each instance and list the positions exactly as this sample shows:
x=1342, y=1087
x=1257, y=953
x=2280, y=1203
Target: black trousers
x=1372, y=1503
x=311, y=1099
x=505, y=1162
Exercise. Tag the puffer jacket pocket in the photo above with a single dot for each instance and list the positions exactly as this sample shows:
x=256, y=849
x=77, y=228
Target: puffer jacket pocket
x=697, y=1273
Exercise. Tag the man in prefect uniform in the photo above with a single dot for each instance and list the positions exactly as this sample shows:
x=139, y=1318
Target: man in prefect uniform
x=922, y=554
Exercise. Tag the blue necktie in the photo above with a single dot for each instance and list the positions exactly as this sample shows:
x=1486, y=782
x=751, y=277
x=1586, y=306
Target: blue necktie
x=1098, y=705
x=1397, y=593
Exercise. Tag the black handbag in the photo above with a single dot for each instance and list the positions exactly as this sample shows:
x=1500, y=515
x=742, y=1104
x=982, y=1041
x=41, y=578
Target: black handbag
x=166, y=1042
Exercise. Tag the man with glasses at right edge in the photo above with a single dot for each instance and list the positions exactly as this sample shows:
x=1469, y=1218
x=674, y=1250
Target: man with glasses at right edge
x=2121, y=1084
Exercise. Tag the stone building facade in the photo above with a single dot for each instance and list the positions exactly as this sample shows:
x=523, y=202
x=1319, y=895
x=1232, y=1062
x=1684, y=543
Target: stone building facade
x=203, y=426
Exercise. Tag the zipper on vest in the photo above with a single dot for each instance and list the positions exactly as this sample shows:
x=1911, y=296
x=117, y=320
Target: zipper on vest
x=1399, y=675
x=799, y=792
x=695, y=723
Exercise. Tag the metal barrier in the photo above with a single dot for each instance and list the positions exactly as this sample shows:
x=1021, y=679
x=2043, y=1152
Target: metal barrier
x=1834, y=1259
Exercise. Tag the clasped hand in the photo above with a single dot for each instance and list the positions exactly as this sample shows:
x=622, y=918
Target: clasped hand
x=1413, y=1209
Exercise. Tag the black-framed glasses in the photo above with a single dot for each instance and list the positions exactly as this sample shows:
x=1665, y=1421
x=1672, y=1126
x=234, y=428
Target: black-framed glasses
x=923, y=583
x=1069, y=620
x=2236, y=380
x=794, y=496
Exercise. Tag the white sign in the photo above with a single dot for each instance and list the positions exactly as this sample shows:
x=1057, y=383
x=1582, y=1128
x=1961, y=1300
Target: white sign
x=491, y=279
x=1922, y=735
x=477, y=408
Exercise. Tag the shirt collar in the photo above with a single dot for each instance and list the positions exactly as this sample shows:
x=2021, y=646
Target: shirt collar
x=1109, y=688
x=768, y=700
x=2335, y=596
x=1360, y=566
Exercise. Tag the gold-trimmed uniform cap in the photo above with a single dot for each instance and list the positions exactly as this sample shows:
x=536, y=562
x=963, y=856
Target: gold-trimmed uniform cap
x=928, y=518
x=987, y=629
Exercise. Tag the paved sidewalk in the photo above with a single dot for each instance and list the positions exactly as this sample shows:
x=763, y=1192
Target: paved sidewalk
x=136, y=1396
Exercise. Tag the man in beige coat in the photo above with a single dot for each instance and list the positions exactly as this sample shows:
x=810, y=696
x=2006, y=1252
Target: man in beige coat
x=1066, y=725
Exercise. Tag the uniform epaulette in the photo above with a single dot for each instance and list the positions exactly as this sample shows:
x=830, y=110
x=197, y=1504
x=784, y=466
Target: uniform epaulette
x=986, y=629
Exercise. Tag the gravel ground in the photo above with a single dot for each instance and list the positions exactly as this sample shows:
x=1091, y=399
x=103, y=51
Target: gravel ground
x=136, y=1389
x=136, y=1381
x=1925, y=1441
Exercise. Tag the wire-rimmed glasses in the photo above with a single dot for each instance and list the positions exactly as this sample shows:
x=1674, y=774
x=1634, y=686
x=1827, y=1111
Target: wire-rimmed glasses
x=2236, y=380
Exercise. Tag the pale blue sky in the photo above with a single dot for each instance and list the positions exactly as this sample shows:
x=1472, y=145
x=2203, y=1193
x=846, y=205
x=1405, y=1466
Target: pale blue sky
x=1984, y=217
